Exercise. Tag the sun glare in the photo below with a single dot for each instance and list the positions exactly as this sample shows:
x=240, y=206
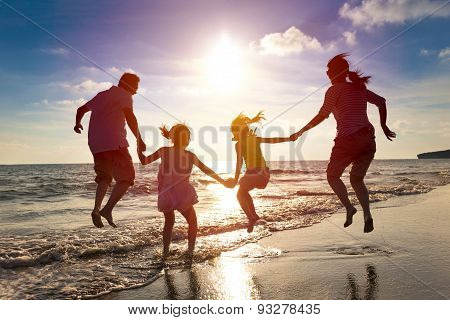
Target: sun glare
x=226, y=198
x=224, y=66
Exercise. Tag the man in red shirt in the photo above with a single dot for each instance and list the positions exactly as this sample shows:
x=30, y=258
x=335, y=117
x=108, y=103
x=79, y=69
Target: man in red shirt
x=110, y=111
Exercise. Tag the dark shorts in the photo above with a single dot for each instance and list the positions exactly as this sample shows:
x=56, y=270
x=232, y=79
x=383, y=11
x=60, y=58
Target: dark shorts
x=358, y=149
x=115, y=164
x=255, y=178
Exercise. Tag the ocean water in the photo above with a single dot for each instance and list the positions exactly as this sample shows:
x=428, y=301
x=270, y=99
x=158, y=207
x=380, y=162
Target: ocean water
x=50, y=250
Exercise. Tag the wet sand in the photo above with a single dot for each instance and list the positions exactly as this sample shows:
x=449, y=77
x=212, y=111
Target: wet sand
x=406, y=257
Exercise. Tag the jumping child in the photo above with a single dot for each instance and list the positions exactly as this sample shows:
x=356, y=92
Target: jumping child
x=257, y=174
x=174, y=189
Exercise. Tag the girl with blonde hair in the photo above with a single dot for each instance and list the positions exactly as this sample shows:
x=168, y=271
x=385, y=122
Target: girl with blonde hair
x=257, y=172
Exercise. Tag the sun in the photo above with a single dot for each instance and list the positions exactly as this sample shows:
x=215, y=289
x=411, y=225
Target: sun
x=224, y=66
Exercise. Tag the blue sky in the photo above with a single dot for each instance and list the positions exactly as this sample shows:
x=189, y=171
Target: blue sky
x=205, y=61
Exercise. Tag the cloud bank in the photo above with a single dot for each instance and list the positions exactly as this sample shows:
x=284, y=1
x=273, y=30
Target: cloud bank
x=374, y=13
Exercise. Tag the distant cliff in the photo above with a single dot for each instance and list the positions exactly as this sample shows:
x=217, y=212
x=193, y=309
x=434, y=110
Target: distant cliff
x=435, y=155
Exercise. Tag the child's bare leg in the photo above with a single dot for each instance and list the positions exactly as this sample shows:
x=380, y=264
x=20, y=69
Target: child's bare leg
x=191, y=218
x=246, y=202
x=169, y=221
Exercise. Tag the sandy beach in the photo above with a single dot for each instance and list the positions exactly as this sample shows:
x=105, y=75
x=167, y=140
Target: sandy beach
x=406, y=257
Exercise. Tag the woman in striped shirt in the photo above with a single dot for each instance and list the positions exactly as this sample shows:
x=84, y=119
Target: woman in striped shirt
x=355, y=139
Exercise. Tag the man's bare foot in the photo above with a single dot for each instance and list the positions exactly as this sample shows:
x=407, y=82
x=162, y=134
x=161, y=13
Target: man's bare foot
x=108, y=216
x=368, y=225
x=251, y=224
x=96, y=219
x=350, y=213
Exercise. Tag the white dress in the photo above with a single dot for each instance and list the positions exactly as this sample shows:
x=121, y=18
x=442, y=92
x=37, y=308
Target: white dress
x=175, y=191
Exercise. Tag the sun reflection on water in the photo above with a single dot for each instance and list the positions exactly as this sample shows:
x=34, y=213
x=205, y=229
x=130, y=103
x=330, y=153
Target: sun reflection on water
x=225, y=198
x=230, y=279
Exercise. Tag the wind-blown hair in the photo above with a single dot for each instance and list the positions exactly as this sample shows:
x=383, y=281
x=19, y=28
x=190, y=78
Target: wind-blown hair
x=240, y=125
x=179, y=134
x=339, y=66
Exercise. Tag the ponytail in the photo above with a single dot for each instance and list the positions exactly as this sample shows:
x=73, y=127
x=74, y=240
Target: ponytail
x=339, y=67
x=179, y=134
x=357, y=78
x=165, y=132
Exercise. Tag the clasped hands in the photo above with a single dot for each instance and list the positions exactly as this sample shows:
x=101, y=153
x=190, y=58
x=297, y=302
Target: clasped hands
x=295, y=136
x=230, y=183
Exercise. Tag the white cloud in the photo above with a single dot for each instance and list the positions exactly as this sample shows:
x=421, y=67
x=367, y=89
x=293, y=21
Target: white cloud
x=56, y=51
x=68, y=104
x=115, y=71
x=85, y=87
x=444, y=54
x=91, y=86
x=350, y=37
x=372, y=13
x=119, y=71
x=288, y=42
x=425, y=52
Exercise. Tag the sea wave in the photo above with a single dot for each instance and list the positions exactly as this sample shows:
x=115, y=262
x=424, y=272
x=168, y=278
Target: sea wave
x=61, y=263
x=308, y=193
x=295, y=171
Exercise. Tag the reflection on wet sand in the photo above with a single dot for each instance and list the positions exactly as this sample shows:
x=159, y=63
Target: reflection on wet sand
x=221, y=278
x=353, y=289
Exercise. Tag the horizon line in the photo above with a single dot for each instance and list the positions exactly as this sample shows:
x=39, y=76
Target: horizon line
x=68, y=163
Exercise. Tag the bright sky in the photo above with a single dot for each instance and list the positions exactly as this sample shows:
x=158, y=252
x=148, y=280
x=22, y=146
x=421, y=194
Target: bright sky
x=203, y=62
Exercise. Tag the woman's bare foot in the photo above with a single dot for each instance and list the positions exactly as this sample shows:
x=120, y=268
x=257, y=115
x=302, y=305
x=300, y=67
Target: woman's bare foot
x=368, y=225
x=350, y=213
x=108, y=216
x=96, y=219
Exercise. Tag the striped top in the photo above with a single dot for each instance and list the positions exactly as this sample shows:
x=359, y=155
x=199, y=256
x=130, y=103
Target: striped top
x=348, y=103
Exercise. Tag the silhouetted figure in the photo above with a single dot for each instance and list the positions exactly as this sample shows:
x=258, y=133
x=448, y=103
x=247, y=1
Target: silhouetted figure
x=257, y=174
x=175, y=192
x=355, y=139
x=107, y=140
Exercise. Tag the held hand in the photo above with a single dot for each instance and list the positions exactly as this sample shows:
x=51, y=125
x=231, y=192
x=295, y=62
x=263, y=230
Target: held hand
x=141, y=147
x=230, y=183
x=295, y=136
x=78, y=127
x=141, y=158
x=388, y=133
